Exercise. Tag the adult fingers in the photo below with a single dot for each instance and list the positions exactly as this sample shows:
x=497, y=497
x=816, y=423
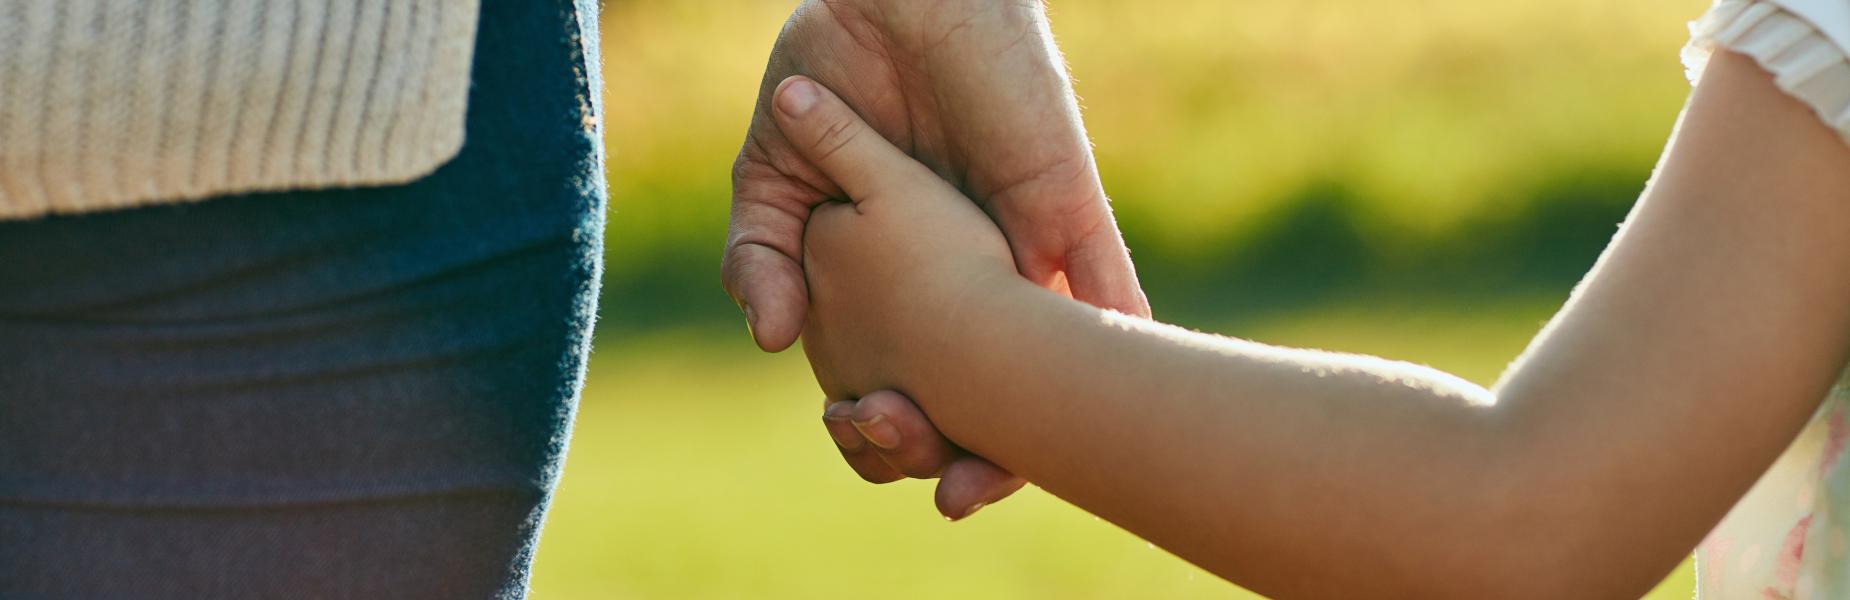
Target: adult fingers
x=769, y=287
x=761, y=268
x=1099, y=272
x=906, y=441
x=832, y=137
x=970, y=483
x=860, y=455
x=902, y=435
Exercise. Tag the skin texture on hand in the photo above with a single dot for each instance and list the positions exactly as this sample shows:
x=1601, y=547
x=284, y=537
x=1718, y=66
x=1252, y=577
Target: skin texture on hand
x=885, y=437
x=931, y=240
x=976, y=91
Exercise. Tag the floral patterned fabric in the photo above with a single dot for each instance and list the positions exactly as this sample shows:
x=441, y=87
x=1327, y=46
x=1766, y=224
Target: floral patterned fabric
x=1788, y=538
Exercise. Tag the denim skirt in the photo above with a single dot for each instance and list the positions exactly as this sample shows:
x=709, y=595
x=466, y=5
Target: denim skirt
x=349, y=393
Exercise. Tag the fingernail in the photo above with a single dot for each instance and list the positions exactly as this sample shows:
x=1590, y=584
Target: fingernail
x=846, y=439
x=799, y=96
x=968, y=511
x=879, y=432
x=751, y=319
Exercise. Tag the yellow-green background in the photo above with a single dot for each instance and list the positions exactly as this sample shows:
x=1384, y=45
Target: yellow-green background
x=1422, y=179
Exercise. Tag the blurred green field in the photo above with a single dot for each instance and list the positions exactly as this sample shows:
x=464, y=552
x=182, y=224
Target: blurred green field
x=1422, y=180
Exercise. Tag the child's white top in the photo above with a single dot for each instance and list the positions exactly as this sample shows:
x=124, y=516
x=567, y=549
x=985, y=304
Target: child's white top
x=1789, y=538
x=1802, y=42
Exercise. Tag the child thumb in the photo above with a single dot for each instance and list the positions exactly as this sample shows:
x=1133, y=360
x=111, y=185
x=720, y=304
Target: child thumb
x=832, y=137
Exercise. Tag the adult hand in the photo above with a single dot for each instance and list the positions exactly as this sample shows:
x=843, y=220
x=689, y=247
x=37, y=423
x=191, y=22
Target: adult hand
x=974, y=89
x=885, y=437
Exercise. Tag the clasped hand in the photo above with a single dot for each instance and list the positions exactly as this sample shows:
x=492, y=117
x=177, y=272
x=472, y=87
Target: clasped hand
x=956, y=136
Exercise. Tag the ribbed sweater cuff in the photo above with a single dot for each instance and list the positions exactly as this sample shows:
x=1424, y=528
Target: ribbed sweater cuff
x=115, y=103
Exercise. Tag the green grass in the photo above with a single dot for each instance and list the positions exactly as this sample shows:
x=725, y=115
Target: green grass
x=699, y=469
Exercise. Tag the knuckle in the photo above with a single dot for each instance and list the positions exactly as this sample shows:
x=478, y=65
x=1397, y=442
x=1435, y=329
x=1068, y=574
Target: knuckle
x=878, y=478
x=920, y=459
x=755, y=165
x=1061, y=191
x=744, y=168
x=834, y=138
x=924, y=467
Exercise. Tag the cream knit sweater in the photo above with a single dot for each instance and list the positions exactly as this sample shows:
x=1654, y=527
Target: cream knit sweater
x=115, y=103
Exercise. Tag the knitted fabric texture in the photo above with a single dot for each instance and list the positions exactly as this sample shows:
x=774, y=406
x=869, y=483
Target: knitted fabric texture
x=115, y=103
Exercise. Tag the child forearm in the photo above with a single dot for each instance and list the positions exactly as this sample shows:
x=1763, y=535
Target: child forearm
x=1685, y=363
x=1693, y=353
x=1241, y=457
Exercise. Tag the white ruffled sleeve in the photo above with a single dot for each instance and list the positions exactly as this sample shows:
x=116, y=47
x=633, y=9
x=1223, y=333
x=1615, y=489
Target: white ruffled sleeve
x=1804, y=61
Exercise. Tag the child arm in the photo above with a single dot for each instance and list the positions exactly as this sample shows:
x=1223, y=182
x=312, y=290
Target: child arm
x=1680, y=368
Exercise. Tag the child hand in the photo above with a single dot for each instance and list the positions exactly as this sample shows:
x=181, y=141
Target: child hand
x=884, y=273
x=888, y=270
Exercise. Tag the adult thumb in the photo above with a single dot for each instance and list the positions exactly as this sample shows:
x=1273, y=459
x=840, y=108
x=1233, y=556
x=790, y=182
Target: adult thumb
x=839, y=143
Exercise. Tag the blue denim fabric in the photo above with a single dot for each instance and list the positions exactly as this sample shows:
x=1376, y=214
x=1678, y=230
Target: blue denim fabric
x=336, y=393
